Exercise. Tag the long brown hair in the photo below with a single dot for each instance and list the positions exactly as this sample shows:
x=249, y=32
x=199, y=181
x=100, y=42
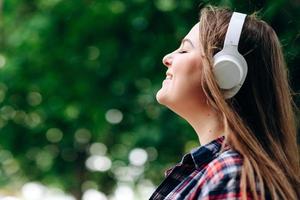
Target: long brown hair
x=260, y=120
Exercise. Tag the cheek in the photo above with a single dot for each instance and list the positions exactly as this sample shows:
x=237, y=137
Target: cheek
x=187, y=91
x=190, y=86
x=189, y=73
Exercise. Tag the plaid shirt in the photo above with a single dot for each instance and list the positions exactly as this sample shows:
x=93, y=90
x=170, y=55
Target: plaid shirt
x=204, y=174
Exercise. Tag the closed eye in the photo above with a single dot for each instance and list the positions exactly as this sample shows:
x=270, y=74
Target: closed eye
x=182, y=51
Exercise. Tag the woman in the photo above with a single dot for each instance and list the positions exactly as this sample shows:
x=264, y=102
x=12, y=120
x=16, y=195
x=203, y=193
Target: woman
x=248, y=139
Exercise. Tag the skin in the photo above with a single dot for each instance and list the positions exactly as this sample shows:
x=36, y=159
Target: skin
x=183, y=93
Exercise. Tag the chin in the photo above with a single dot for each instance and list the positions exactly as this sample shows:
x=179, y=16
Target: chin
x=162, y=97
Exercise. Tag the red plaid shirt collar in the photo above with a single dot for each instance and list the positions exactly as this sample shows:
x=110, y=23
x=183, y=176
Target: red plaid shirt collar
x=200, y=156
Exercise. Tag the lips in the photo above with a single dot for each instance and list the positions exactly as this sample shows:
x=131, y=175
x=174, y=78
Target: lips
x=169, y=76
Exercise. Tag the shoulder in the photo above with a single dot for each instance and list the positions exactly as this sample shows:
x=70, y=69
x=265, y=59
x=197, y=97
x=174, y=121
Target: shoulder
x=222, y=176
x=228, y=163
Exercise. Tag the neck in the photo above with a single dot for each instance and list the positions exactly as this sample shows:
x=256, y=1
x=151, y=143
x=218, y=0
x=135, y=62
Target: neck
x=207, y=124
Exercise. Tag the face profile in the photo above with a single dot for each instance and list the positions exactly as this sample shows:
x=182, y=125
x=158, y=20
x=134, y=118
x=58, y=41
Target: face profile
x=181, y=88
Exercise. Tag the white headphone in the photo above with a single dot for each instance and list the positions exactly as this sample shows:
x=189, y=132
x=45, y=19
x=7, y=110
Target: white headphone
x=230, y=67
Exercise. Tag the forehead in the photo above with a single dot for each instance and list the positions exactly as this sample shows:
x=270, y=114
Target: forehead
x=193, y=34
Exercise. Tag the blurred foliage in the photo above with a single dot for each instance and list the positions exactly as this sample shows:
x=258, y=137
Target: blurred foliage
x=78, y=72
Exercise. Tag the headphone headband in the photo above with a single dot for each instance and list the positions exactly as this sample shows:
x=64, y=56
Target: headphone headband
x=234, y=29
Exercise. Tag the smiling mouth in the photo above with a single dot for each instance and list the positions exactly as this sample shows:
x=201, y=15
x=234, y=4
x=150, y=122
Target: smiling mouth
x=169, y=76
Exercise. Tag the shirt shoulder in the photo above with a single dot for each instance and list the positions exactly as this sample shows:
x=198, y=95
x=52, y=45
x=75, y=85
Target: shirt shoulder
x=228, y=163
x=221, y=178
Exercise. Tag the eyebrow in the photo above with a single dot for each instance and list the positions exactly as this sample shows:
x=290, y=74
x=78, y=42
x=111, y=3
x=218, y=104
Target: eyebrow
x=187, y=40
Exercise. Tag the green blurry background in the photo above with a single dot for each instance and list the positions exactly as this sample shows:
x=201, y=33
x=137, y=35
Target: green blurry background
x=78, y=79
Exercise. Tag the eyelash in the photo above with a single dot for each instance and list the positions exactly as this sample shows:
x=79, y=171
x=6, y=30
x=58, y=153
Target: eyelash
x=182, y=51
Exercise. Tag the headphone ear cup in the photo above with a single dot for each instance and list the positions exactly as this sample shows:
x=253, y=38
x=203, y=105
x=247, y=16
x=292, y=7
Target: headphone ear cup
x=227, y=71
x=230, y=71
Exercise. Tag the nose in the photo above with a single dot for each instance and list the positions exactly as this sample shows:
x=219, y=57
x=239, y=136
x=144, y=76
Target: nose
x=167, y=60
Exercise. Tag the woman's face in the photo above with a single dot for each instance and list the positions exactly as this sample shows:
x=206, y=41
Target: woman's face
x=182, y=87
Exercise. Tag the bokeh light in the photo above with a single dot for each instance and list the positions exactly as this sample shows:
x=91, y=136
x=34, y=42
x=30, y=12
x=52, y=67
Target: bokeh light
x=34, y=98
x=114, y=116
x=98, y=149
x=92, y=194
x=124, y=192
x=83, y=136
x=93, y=53
x=138, y=156
x=54, y=135
x=33, y=191
x=98, y=163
